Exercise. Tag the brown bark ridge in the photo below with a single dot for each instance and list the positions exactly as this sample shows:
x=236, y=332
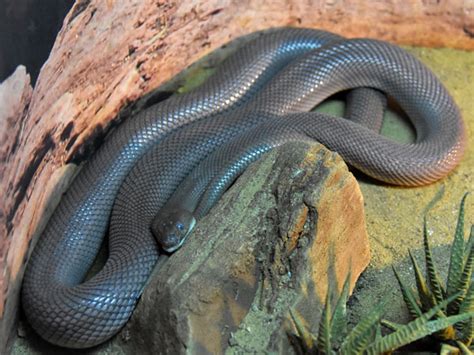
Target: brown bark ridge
x=15, y=95
x=292, y=223
x=110, y=53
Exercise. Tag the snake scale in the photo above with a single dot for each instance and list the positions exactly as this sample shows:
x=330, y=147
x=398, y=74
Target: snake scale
x=265, y=89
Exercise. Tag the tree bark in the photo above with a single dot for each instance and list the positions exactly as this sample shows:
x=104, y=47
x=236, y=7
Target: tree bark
x=110, y=53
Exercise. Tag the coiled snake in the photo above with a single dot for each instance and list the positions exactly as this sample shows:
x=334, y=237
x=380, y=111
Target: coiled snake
x=264, y=90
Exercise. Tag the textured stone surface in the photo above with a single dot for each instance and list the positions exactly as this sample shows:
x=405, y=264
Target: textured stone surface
x=293, y=220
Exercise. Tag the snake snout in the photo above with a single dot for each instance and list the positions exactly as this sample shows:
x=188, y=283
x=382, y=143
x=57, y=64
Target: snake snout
x=171, y=228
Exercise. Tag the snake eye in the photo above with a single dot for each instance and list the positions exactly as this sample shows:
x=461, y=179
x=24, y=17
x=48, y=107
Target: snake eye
x=180, y=226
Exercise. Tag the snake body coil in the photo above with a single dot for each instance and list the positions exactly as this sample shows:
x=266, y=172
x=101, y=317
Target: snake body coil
x=266, y=86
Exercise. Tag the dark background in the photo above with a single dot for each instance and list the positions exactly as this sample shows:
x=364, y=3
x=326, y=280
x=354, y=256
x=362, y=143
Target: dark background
x=28, y=29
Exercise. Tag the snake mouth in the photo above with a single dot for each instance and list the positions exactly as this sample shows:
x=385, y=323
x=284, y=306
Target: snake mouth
x=173, y=248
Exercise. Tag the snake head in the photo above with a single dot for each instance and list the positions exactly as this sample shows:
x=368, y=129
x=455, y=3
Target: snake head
x=171, y=228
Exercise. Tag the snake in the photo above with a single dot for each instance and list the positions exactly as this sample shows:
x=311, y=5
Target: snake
x=257, y=99
x=203, y=187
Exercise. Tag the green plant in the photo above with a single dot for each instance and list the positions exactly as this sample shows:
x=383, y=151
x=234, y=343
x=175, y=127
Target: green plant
x=366, y=337
x=459, y=289
x=444, y=313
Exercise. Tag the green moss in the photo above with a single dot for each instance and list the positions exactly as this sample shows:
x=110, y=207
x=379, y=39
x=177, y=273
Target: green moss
x=195, y=78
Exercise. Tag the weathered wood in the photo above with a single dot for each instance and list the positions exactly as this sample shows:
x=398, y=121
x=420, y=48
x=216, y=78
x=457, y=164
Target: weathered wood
x=110, y=53
x=15, y=95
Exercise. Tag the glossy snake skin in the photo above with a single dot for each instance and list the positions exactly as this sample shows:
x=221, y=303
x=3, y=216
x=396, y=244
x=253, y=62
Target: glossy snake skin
x=264, y=90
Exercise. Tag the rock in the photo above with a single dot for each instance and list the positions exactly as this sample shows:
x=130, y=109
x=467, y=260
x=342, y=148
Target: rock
x=293, y=221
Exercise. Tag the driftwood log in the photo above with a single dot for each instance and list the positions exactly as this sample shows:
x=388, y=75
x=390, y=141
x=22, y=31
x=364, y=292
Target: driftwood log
x=108, y=54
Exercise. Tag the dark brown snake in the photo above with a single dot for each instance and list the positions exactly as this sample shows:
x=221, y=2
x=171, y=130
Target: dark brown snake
x=264, y=90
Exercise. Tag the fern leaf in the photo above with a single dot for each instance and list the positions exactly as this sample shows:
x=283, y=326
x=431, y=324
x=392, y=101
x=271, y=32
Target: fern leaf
x=447, y=349
x=298, y=344
x=360, y=343
x=466, y=331
x=378, y=333
x=428, y=301
x=415, y=330
x=456, y=263
x=433, y=275
x=360, y=335
x=339, y=316
x=426, y=298
x=467, y=305
x=470, y=241
x=410, y=332
x=409, y=297
x=324, y=333
x=306, y=336
x=467, y=327
x=463, y=348
x=465, y=281
x=391, y=325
